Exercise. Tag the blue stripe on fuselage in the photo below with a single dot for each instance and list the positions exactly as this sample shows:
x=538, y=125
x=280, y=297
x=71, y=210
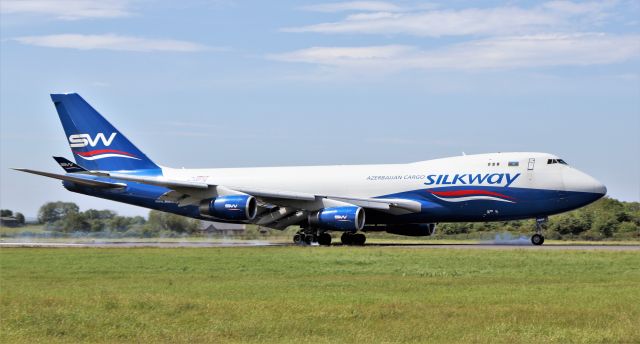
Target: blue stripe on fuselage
x=527, y=203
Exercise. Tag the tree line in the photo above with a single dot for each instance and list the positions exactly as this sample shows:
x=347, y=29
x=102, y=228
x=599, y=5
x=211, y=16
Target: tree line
x=603, y=219
x=66, y=217
x=606, y=218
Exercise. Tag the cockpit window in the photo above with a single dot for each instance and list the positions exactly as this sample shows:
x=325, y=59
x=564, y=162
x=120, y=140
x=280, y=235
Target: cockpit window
x=556, y=161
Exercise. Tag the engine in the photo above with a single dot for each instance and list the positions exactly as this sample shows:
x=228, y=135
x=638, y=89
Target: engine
x=348, y=219
x=231, y=207
x=413, y=229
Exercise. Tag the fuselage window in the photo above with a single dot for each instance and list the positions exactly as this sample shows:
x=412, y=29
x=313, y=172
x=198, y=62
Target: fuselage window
x=514, y=163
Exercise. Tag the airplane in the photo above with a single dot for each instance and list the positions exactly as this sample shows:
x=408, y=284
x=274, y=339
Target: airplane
x=403, y=199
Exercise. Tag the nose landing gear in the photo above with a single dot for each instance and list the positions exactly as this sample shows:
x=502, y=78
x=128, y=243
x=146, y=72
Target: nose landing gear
x=538, y=238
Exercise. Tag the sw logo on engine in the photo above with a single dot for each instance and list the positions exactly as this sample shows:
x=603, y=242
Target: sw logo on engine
x=83, y=140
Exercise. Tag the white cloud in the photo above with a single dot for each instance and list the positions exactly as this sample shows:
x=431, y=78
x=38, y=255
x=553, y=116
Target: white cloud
x=354, y=6
x=549, y=17
x=543, y=50
x=112, y=42
x=68, y=9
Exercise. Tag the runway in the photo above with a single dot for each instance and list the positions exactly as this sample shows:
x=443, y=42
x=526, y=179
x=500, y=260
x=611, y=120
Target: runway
x=258, y=243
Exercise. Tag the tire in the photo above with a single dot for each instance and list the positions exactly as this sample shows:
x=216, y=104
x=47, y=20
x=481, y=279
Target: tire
x=537, y=239
x=308, y=239
x=324, y=239
x=359, y=239
x=297, y=239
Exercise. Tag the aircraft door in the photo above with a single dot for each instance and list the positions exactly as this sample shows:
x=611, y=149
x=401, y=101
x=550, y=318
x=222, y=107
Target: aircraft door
x=531, y=165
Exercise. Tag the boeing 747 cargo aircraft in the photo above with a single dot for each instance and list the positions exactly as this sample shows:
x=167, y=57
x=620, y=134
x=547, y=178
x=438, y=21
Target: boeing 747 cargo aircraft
x=403, y=199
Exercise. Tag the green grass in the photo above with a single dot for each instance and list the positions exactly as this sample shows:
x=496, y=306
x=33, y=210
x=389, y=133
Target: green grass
x=318, y=295
x=33, y=229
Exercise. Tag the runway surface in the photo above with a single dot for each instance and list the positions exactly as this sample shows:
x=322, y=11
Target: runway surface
x=488, y=246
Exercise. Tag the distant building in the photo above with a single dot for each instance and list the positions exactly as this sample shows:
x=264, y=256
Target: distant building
x=219, y=228
x=9, y=221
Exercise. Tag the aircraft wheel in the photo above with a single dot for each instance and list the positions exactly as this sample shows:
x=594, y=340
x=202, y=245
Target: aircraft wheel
x=308, y=239
x=324, y=239
x=346, y=238
x=537, y=239
x=359, y=239
x=297, y=239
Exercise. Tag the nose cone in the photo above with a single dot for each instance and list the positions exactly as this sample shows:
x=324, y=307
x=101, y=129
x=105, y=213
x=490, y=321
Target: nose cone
x=600, y=188
x=577, y=181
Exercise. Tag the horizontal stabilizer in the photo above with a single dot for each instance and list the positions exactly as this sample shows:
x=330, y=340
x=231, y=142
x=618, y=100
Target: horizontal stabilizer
x=78, y=179
x=68, y=166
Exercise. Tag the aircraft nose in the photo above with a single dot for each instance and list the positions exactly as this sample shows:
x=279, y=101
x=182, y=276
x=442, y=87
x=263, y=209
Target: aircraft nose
x=600, y=188
x=576, y=180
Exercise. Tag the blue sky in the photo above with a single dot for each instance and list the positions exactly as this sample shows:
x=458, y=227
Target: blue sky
x=262, y=83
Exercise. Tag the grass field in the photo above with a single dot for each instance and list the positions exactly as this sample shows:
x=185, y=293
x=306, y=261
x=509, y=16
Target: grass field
x=318, y=295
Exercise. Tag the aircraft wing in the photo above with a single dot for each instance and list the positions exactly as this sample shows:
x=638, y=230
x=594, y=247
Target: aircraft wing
x=279, y=209
x=202, y=190
x=82, y=179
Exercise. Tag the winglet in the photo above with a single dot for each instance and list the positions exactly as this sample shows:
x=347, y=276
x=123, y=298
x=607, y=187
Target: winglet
x=68, y=166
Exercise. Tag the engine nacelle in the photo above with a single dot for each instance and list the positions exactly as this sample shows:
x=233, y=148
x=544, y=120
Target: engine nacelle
x=348, y=219
x=231, y=207
x=413, y=229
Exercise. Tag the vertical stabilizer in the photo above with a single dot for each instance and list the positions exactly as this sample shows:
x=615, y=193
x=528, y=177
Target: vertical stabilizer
x=95, y=143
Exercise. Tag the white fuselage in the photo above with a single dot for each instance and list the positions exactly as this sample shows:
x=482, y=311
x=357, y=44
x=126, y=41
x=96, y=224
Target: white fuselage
x=379, y=180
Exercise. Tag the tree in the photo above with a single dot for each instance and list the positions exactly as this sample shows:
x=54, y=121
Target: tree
x=75, y=222
x=170, y=222
x=93, y=214
x=6, y=213
x=20, y=218
x=53, y=211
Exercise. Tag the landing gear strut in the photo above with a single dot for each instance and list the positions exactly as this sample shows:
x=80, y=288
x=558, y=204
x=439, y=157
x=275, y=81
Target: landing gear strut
x=306, y=236
x=348, y=238
x=538, y=238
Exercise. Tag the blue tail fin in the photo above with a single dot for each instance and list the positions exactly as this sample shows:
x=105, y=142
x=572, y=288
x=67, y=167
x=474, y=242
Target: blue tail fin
x=94, y=142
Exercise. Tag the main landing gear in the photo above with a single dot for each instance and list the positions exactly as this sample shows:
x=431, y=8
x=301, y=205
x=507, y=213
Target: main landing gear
x=348, y=238
x=538, y=238
x=308, y=236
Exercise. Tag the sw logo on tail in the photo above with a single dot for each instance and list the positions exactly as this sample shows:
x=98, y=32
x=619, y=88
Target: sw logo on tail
x=83, y=140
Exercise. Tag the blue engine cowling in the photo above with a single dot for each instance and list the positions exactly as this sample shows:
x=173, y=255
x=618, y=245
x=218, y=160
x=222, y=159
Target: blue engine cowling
x=348, y=219
x=231, y=207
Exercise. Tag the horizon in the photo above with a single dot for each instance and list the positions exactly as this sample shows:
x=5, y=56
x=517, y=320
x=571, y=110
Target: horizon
x=231, y=84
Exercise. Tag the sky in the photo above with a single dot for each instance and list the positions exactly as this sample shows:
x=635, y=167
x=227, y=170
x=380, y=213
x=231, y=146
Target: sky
x=228, y=83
